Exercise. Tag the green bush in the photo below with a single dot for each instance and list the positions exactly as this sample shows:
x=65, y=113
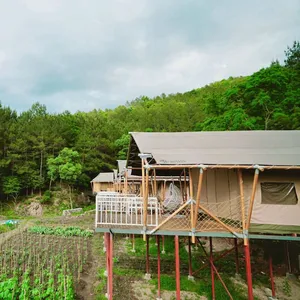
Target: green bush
x=46, y=197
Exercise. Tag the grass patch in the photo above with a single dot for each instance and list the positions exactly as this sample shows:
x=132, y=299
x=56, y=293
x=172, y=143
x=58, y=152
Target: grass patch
x=202, y=287
x=100, y=288
x=127, y=272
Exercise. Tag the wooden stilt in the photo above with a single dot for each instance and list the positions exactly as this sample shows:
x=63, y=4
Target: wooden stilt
x=197, y=202
x=252, y=197
x=192, y=204
x=242, y=200
x=185, y=185
x=177, y=267
x=164, y=190
x=155, y=183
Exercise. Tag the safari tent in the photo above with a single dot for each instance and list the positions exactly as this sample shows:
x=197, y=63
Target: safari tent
x=250, y=177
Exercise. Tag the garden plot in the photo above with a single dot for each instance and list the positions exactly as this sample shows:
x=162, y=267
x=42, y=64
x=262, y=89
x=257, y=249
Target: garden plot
x=43, y=263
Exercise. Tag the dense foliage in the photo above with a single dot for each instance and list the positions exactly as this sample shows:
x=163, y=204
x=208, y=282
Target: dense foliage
x=268, y=99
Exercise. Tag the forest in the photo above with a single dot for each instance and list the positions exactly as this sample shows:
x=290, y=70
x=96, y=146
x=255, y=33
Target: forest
x=38, y=148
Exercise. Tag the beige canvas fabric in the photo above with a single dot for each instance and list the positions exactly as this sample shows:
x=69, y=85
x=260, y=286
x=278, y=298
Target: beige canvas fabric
x=221, y=186
x=223, y=147
x=276, y=214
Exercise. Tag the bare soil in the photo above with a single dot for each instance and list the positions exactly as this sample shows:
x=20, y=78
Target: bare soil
x=145, y=291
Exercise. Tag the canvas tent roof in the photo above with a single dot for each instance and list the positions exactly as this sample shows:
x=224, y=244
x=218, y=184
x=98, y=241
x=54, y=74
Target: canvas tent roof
x=280, y=148
x=104, y=177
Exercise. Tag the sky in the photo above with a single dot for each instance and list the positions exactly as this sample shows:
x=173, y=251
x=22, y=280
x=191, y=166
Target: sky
x=84, y=55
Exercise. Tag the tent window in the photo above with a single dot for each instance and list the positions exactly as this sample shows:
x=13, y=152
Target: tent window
x=283, y=193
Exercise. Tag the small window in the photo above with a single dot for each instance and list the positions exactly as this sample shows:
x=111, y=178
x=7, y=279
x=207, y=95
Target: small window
x=283, y=193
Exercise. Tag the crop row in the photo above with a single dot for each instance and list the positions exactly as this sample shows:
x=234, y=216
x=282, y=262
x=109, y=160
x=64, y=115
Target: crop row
x=61, y=231
x=41, y=266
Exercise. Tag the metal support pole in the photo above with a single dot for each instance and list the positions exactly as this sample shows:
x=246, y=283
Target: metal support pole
x=158, y=267
x=177, y=267
x=271, y=276
x=213, y=294
x=190, y=277
x=237, y=264
x=147, y=275
x=110, y=273
x=248, y=270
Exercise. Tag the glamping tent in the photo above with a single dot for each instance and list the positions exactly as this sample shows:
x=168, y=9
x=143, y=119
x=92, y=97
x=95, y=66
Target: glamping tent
x=262, y=165
x=242, y=185
x=103, y=182
x=128, y=182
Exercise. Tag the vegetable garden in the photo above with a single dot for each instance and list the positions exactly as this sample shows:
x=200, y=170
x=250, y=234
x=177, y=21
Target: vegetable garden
x=43, y=263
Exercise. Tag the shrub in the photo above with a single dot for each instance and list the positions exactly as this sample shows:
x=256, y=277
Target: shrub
x=46, y=197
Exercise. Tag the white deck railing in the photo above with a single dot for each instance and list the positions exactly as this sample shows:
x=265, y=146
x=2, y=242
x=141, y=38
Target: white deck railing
x=124, y=209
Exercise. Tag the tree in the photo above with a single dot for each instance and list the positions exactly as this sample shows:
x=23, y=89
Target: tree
x=292, y=54
x=66, y=166
x=121, y=145
x=11, y=187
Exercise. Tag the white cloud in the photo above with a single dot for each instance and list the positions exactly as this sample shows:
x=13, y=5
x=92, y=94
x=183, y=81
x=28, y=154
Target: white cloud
x=94, y=54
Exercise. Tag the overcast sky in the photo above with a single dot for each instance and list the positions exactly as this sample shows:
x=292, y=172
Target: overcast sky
x=80, y=55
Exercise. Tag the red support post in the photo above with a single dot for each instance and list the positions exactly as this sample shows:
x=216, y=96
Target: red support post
x=271, y=276
x=237, y=264
x=107, y=246
x=191, y=277
x=110, y=273
x=158, y=267
x=147, y=257
x=212, y=271
x=177, y=267
x=248, y=270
